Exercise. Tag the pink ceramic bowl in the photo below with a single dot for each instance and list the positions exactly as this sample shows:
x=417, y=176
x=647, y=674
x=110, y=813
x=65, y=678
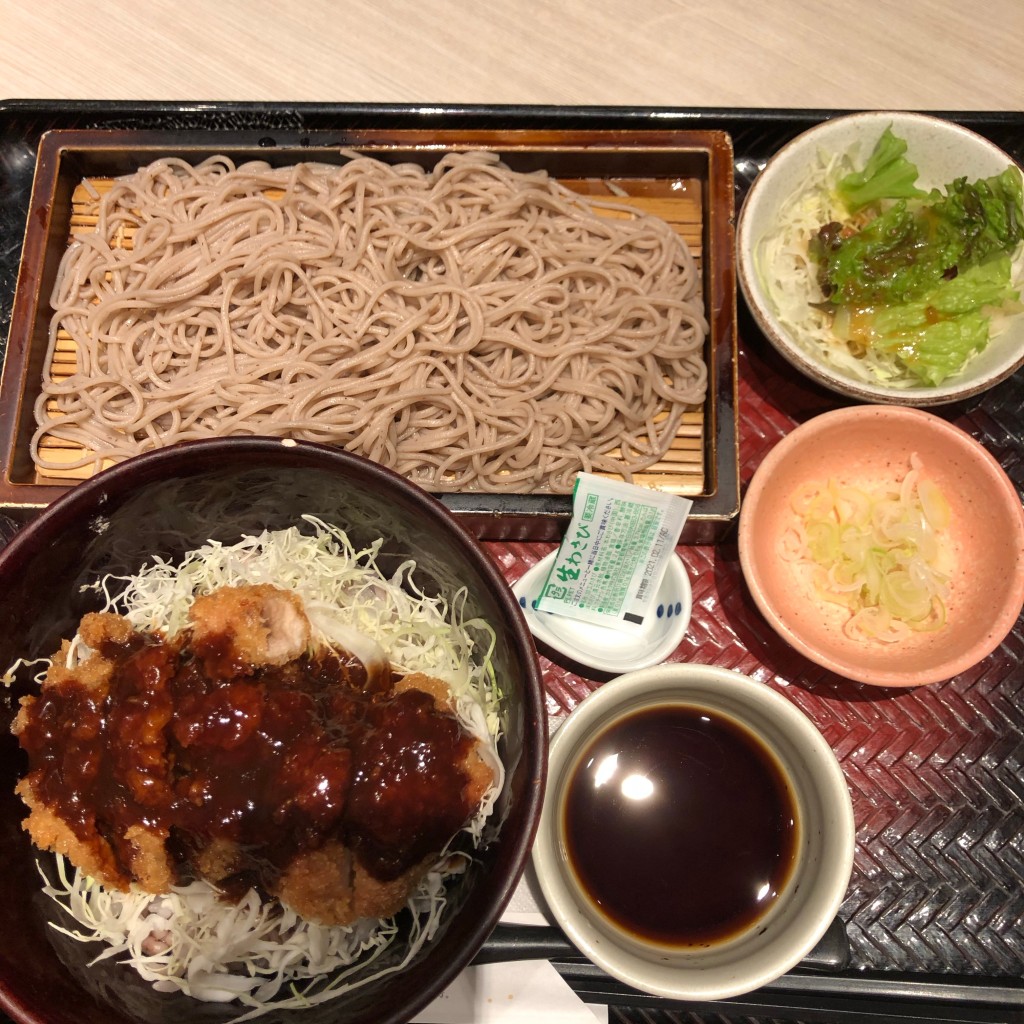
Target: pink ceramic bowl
x=867, y=446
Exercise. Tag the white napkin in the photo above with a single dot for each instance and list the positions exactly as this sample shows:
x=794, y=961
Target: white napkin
x=527, y=904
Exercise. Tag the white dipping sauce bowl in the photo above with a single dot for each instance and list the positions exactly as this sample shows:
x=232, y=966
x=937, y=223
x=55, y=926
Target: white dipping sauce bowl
x=807, y=903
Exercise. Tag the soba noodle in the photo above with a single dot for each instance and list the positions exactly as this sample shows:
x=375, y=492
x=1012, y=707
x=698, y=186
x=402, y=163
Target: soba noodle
x=471, y=327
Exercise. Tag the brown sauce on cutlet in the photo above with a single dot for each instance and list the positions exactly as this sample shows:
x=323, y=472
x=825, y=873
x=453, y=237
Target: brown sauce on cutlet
x=276, y=759
x=97, y=756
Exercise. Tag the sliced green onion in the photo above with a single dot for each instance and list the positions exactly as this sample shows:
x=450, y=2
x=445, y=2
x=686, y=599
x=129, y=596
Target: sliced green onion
x=876, y=553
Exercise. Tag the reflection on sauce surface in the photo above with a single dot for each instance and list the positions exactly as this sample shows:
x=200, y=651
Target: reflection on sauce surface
x=680, y=825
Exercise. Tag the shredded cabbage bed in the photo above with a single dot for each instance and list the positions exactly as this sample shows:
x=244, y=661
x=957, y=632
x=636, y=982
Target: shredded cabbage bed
x=262, y=954
x=877, y=553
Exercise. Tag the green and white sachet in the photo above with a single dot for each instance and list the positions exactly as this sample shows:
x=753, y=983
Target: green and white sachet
x=614, y=553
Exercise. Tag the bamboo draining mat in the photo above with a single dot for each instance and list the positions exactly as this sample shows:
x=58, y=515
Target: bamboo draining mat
x=679, y=202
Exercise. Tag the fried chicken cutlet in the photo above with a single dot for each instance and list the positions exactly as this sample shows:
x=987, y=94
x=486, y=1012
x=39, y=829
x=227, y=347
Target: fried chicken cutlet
x=241, y=752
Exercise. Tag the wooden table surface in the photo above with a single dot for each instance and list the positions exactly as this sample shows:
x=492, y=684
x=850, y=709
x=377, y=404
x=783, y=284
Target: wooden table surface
x=917, y=54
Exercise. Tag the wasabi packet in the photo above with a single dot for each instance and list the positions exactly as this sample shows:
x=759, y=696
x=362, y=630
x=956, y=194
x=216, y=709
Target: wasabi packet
x=614, y=554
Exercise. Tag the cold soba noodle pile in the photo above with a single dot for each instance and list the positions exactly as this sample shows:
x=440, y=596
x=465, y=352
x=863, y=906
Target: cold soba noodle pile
x=471, y=327
x=251, y=762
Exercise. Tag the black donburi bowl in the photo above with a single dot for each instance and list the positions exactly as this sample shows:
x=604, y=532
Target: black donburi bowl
x=166, y=503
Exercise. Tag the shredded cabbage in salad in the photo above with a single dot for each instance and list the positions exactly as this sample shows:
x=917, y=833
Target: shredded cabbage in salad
x=790, y=277
x=878, y=553
x=262, y=954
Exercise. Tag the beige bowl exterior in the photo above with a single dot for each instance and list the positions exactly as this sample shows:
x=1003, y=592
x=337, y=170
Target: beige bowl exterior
x=942, y=151
x=866, y=446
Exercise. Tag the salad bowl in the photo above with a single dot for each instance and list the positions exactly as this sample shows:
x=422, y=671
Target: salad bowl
x=784, y=210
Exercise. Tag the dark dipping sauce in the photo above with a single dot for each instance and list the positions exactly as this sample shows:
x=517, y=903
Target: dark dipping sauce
x=680, y=826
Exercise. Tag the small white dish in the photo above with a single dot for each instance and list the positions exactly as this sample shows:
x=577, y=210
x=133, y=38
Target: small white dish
x=603, y=648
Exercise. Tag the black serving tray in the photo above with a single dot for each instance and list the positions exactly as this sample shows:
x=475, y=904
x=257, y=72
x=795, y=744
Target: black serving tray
x=892, y=976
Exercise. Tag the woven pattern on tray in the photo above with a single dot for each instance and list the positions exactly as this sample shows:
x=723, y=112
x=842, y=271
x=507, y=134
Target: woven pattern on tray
x=678, y=202
x=935, y=772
